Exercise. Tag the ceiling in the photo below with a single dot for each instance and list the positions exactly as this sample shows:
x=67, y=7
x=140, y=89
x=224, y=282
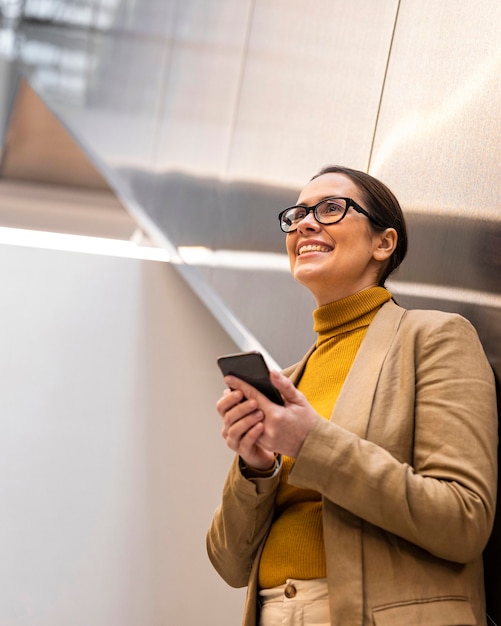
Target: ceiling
x=48, y=183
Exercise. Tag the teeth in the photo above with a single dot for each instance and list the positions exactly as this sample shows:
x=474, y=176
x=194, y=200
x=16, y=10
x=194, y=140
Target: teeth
x=314, y=248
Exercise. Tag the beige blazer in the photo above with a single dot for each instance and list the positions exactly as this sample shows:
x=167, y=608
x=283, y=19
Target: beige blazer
x=407, y=470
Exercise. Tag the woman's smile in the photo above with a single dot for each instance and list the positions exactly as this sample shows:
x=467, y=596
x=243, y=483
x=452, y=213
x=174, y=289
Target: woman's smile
x=313, y=246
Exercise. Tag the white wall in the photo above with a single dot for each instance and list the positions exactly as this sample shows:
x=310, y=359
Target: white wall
x=111, y=461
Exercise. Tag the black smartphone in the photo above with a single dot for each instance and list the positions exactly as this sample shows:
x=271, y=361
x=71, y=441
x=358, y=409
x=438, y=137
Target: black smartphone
x=250, y=367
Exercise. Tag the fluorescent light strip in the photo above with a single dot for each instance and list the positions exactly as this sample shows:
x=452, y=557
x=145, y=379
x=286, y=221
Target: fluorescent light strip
x=79, y=243
x=191, y=255
x=234, y=259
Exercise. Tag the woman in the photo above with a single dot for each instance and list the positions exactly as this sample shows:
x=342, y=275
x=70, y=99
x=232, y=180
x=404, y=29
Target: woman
x=369, y=496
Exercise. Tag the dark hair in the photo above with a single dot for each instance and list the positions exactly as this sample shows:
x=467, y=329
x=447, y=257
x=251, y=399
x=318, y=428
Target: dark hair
x=383, y=205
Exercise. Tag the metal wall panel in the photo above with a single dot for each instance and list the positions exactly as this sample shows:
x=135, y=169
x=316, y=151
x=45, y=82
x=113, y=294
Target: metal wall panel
x=210, y=115
x=201, y=87
x=311, y=87
x=438, y=134
x=438, y=146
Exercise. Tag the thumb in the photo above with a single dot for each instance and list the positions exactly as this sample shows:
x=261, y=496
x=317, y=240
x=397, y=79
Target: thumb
x=285, y=386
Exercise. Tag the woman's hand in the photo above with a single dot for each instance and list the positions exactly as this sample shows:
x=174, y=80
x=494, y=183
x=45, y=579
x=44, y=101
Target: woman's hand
x=243, y=427
x=257, y=428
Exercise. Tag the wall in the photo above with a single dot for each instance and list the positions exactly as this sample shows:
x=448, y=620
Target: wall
x=108, y=382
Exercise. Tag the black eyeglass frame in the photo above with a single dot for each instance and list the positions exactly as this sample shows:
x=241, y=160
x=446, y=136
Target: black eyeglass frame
x=313, y=209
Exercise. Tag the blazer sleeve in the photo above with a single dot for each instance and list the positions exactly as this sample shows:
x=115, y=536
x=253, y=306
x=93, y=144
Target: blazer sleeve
x=437, y=386
x=240, y=524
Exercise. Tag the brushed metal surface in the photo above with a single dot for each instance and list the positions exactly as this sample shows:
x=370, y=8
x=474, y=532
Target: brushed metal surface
x=438, y=146
x=209, y=117
x=310, y=88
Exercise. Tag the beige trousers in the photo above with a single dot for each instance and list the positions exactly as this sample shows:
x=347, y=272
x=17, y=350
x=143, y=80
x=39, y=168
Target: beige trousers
x=297, y=603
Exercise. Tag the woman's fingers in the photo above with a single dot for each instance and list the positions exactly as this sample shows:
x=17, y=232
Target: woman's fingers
x=254, y=425
x=228, y=400
x=243, y=435
x=240, y=418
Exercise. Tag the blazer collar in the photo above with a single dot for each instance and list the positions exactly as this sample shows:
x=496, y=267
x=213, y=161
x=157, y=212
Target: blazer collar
x=354, y=403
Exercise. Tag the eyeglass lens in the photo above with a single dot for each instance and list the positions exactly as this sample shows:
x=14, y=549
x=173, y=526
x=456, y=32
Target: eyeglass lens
x=328, y=211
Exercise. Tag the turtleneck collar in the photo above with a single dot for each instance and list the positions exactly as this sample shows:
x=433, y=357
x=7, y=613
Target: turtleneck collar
x=349, y=313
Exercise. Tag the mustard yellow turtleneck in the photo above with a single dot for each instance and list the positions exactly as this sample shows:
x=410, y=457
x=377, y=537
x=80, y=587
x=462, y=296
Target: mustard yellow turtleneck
x=295, y=546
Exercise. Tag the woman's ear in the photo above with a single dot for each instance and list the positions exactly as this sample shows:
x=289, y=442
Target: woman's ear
x=386, y=243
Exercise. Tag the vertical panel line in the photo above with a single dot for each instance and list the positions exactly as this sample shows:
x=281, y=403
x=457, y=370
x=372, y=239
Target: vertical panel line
x=163, y=87
x=380, y=104
x=238, y=95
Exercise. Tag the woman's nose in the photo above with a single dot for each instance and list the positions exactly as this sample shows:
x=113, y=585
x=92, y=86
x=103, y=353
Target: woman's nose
x=308, y=223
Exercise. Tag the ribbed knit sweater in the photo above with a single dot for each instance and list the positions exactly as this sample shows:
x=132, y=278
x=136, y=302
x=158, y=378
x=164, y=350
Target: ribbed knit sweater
x=295, y=546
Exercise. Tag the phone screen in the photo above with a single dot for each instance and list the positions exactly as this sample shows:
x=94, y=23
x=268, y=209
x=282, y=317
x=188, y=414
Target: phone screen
x=250, y=367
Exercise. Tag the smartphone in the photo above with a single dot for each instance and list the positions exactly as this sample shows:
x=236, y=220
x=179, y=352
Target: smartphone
x=250, y=367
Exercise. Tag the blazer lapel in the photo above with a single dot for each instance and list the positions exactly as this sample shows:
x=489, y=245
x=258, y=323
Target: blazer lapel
x=353, y=407
x=352, y=411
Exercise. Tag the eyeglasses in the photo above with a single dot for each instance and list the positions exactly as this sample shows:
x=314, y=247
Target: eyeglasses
x=327, y=211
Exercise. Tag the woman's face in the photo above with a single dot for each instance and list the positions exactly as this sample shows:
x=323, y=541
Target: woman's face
x=337, y=260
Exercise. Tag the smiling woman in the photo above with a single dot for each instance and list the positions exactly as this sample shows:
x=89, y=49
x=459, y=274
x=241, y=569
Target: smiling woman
x=368, y=497
x=356, y=250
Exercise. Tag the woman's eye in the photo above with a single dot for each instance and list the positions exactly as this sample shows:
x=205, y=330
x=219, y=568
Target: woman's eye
x=332, y=207
x=299, y=215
